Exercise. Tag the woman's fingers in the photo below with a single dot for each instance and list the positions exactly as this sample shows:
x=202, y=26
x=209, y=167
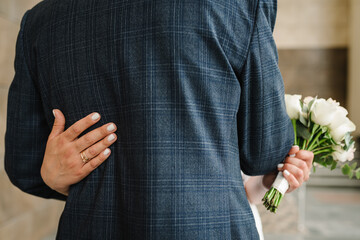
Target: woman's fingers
x=94, y=136
x=302, y=167
x=94, y=163
x=306, y=156
x=296, y=168
x=293, y=174
x=95, y=149
x=62, y=164
x=297, y=172
x=293, y=182
x=59, y=124
x=294, y=149
x=77, y=128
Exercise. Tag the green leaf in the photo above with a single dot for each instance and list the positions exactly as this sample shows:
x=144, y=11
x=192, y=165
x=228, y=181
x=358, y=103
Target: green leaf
x=357, y=173
x=309, y=120
x=328, y=136
x=302, y=131
x=333, y=166
x=324, y=130
x=329, y=161
x=314, y=169
x=353, y=166
x=315, y=127
x=351, y=143
x=348, y=141
x=346, y=169
x=303, y=106
x=320, y=161
x=303, y=120
x=311, y=103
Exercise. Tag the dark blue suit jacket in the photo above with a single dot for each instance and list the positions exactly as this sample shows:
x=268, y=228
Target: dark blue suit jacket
x=195, y=90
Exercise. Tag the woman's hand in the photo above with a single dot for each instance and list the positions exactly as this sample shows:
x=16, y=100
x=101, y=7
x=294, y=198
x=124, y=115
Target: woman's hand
x=296, y=169
x=68, y=159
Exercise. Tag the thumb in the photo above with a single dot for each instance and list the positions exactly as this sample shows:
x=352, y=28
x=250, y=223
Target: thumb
x=294, y=149
x=59, y=124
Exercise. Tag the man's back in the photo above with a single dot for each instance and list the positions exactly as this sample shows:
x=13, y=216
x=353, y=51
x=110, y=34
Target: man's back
x=176, y=78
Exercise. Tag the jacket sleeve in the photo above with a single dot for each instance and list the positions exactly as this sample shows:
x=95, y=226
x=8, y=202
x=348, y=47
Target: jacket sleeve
x=264, y=130
x=27, y=129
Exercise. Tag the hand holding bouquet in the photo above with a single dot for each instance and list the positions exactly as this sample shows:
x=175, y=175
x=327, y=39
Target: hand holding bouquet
x=320, y=126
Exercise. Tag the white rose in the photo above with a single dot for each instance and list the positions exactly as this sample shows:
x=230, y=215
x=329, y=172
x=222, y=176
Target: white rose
x=338, y=133
x=306, y=102
x=293, y=107
x=308, y=99
x=323, y=112
x=332, y=101
x=341, y=155
x=339, y=117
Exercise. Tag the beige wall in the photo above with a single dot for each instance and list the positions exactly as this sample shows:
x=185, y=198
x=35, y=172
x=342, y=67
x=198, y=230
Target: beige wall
x=354, y=64
x=312, y=24
x=13, y=10
x=301, y=24
x=324, y=24
x=22, y=216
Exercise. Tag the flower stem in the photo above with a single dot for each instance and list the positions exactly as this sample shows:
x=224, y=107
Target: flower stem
x=303, y=145
x=293, y=121
x=322, y=141
x=314, y=130
x=322, y=151
x=321, y=148
x=313, y=142
x=272, y=199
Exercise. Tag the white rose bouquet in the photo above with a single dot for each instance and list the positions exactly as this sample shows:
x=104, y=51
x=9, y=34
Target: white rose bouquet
x=320, y=126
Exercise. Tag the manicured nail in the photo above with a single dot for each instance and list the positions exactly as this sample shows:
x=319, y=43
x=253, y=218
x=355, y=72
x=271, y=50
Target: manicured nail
x=95, y=116
x=292, y=155
x=286, y=172
x=111, y=137
x=106, y=152
x=54, y=113
x=110, y=128
x=280, y=165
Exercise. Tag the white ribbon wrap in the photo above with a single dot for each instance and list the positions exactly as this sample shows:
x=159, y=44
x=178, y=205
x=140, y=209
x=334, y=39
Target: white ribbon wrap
x=281, y=184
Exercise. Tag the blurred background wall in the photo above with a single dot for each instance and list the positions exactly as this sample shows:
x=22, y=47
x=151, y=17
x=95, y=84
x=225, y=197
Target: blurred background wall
x=22, y=216
x=319, y=49
x=319, y=54
x=313, y=38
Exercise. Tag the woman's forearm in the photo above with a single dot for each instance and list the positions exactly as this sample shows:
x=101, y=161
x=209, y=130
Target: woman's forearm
x=255, y=189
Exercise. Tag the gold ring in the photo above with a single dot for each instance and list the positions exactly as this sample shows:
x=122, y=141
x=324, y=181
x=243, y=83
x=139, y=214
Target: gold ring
x=84, y=158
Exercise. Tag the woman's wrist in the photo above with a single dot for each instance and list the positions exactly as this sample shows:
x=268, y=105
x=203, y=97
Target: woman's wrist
x=255, y=189
x=269, y=179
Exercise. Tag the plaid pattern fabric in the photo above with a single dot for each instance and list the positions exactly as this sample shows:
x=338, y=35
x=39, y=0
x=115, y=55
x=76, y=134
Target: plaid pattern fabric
x=197, y=96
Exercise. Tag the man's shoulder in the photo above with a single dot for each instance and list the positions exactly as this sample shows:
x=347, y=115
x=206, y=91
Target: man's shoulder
x=43, y=14
x=37, y=17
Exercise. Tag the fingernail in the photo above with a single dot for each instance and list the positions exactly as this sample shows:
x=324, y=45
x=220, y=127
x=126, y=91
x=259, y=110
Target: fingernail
x=106, y=152
x=110, y=128
x=286, y=172
x=292, y=155
x=111, y=137
x=297, y=146
x=54, y=113
x=95, y=116
x=280, y=165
